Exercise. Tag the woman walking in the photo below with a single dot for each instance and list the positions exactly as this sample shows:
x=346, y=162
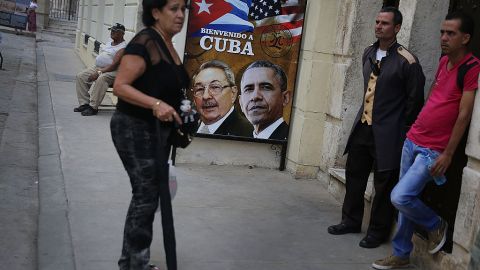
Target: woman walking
x=32, y=16
x=149, y=86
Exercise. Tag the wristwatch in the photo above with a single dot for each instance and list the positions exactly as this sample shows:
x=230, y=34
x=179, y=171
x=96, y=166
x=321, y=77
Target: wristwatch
x=99, y=72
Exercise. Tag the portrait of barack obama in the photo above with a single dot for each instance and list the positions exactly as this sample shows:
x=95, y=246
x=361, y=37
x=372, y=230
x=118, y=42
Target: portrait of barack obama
x=263, y=96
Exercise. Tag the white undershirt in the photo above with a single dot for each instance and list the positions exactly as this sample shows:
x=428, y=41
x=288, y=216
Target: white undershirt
x=381, y=54
x=107, y=53
x=266, y=133
x=213, y=127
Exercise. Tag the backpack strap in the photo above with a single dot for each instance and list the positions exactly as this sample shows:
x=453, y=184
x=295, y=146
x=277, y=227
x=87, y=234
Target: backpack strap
x=462, y=71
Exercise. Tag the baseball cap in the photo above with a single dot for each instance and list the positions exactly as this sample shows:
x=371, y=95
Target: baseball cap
x=117, y=27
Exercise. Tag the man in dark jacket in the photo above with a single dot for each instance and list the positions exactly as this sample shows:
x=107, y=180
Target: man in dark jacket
x=393, y=97
x=215, y=93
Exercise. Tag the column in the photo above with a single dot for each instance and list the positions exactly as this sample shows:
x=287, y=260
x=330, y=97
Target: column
x=43, y=11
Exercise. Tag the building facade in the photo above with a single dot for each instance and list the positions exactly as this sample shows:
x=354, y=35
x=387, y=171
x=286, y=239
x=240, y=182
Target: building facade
x=328, y=95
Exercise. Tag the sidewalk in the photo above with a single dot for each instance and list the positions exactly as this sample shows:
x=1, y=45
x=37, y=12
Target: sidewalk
x=225, y=217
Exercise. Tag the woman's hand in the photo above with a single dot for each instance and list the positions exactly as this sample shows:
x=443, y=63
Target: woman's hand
x=165, y=112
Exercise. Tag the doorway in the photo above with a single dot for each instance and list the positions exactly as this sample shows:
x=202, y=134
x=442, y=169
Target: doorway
x=64, y=9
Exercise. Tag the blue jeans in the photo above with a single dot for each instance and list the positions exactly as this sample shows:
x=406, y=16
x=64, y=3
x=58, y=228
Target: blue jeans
x=414, y=175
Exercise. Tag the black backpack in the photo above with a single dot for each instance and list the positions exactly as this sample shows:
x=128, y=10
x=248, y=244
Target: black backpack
x=462, y=71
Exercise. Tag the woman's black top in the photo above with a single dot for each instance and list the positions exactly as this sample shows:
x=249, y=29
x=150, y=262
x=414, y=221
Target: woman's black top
x=162, y=79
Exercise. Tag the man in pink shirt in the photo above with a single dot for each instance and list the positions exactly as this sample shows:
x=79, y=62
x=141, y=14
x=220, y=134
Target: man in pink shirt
x=432, y=140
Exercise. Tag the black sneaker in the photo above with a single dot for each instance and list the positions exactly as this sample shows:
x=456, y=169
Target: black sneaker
x=81, y=108
x=89, y=111
x=342, y=228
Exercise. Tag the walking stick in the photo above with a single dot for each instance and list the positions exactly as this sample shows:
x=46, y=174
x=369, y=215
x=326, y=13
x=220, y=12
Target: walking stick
x=163, y=150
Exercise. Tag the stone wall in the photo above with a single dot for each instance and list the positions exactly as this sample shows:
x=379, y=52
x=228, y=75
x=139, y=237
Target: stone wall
x=475, y=257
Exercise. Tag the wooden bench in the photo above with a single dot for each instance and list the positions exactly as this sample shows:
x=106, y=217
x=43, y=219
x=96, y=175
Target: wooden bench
x=111, y=102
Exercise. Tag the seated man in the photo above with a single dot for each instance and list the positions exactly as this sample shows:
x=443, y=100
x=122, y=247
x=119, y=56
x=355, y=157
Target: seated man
x=103, y=73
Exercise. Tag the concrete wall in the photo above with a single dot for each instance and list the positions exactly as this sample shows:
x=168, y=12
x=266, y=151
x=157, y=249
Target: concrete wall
x=42, y=14
x=424, y=37
x=349, y=94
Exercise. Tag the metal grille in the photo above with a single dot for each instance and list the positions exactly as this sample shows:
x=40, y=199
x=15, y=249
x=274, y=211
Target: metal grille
x=64, y=9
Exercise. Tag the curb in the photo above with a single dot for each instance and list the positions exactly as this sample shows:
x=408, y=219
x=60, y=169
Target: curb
x=12, y=31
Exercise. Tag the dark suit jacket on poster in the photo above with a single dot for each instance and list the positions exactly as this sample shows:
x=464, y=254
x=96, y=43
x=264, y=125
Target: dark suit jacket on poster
x=235, y=125
x=281, y=132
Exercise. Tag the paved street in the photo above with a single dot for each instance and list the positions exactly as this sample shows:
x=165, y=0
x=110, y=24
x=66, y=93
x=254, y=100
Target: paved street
x=18, y=153
x=225, y=217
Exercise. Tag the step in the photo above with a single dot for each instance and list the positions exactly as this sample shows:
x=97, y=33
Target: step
x=337, y=180
x=61, y=33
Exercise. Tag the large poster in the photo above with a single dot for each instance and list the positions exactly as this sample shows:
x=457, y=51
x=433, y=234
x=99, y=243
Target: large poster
x=13, y=13
x=242, y=58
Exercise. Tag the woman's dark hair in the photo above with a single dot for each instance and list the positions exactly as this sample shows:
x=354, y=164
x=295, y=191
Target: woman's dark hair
x=148, y=6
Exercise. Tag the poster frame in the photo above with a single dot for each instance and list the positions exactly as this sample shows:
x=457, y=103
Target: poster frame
x=282, y=143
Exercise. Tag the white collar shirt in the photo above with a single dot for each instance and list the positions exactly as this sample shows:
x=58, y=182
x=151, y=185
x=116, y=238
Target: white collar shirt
x=266, y=133
x=213, y=127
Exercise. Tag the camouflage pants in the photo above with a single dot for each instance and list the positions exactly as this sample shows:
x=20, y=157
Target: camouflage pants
x=137, y=145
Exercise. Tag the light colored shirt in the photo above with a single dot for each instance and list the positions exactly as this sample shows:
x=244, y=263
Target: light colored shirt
x=33, y=6
x=267, y=132
x=213, y=127
x=370, y=94
x=381, y=54
x=107, y=53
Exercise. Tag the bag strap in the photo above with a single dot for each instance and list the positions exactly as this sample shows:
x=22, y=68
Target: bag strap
x=462, y=71
x=162, y=167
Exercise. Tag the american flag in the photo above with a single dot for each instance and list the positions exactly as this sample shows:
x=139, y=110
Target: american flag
x=289, y=13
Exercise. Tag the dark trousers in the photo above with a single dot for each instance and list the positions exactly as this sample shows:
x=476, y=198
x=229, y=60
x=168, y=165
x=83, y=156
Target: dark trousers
x=139, y=149
x=361, y=159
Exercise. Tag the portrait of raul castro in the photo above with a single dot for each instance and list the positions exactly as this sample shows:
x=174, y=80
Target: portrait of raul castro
x=215, y=93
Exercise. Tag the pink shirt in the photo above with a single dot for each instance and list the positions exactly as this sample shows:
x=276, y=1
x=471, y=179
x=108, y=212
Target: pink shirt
x=434, y=124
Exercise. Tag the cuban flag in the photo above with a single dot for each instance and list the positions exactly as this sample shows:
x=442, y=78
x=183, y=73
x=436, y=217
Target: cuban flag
x=224, y=15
